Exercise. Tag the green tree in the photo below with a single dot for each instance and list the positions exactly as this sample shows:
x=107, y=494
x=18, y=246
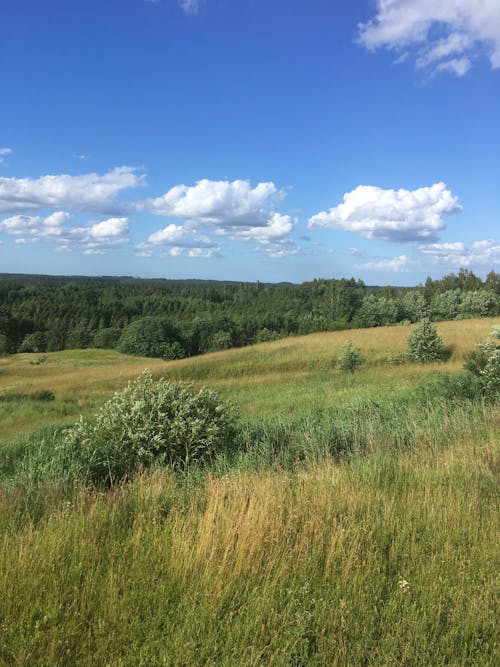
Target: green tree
x=424, y=343
x=350, y=358
x=148, y=337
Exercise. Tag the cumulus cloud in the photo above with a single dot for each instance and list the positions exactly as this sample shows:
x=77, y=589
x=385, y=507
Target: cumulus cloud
x=396, y=264
x=233, y=209
x=217, y=203
x=443, y=35
x=55, y=228
x=4, y=152
x=177, y=240
x=485, y=253
x=392, y=215
x=49, y=228
x=88, y=192
x=276, y=229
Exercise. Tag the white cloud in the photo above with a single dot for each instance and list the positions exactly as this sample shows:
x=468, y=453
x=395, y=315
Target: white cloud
x=48, y=228
x=217, y=203
x=434, y=30
x=457, y=254
x=55, y=228
x=233, y=209
x=392, y=215
x=191, y=6
x=396, y=264
x=178, y=240
x=109, y=229
x=4, y=152
x=276, y=229
x=88, y=192
x=282, y=249
x=458, y=66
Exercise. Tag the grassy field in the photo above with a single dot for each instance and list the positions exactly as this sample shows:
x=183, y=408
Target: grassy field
x=285, y=556
x=283, y=377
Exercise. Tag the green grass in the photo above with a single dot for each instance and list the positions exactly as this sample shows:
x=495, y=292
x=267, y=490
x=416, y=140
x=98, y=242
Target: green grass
x=260, y=568
x=282, y=377
x=356, y=525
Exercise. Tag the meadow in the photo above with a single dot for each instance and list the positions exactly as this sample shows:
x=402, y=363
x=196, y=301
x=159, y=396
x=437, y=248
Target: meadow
x=356, y=525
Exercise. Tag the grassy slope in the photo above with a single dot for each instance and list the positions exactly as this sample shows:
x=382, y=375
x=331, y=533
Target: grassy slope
x=278, y=378
x=269, y=567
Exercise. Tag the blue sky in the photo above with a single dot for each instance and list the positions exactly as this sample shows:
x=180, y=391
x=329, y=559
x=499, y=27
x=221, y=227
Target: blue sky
x=250, y=139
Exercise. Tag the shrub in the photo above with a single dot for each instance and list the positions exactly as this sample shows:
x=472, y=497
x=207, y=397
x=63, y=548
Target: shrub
x=161, y=423
x=44, y=395
x=484, y=363
x=476, y=360
x=350, y=358
x=39, y=360
x=490, y=376
x=424, y=344
x=463, y=385
x=495, y=332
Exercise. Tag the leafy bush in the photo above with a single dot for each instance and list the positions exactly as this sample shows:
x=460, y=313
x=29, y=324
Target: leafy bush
x=495, y=332
x=484, y=363
x=350, y=358
x=424, y=344
x=490, y=376
x=463, y=385
x=476, y=360
x=163, y=423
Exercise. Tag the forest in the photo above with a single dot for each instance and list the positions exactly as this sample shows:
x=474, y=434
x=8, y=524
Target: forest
x=173, y=319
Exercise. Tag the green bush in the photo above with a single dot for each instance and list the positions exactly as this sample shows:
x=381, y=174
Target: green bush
x=484, y=363
x=350, y=358
x=460, y=386
x=490, y=376
x=495, y=331
x=476, y=360
x=160, y=423
x=424, y=344
x=44, y=395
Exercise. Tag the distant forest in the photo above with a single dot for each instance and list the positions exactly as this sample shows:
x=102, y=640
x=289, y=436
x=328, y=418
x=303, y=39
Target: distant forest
x=177, y=318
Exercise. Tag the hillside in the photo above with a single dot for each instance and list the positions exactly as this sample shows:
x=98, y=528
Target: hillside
x=353, y=525
x=276, y=378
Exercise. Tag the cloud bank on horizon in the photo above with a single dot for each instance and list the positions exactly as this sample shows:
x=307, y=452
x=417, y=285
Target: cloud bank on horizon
x=207, y=216
x=439, y=35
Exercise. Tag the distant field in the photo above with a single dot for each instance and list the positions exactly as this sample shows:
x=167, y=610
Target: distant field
x=282, y=377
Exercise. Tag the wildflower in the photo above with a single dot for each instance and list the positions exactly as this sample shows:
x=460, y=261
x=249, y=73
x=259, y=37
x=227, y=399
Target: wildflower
x=403, y=584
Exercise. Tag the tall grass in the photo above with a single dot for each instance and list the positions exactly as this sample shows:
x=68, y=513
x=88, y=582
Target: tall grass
x=380, y=561
x=354, y=525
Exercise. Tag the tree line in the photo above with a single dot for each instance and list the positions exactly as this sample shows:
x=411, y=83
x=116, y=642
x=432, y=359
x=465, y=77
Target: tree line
x=178, y=318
